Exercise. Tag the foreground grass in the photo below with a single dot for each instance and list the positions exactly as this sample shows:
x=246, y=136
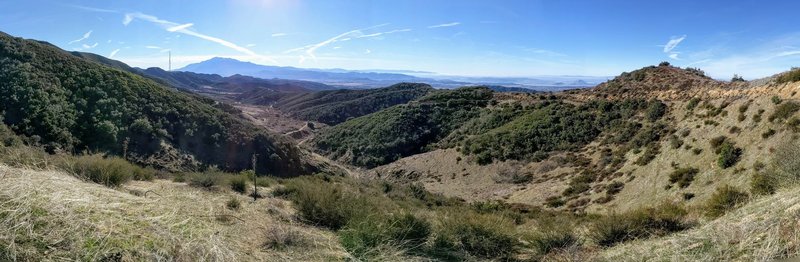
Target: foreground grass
x=51, y=215
x=766, y=229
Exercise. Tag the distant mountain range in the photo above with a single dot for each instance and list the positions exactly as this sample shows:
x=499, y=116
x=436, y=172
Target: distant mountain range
x=356, y=79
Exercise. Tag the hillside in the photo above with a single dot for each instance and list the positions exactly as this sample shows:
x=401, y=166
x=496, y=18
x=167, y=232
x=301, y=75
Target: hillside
x=333, y=107
x=663, y=82
x=586, y=151
x=66, y=103
x=402, y=130
x=236, y=84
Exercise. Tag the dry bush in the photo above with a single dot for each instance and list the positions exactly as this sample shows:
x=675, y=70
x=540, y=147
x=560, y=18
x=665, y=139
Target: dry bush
x=643, y=223
x=726, y=198
x=281, y=237
x=111, y=171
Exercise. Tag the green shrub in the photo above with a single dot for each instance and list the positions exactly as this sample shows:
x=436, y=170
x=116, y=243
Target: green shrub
x=483, y=236
x=207, y=180
x=683, y=176
x=554, y=201
x=767, y=134
x=233, y=204
x=410, y=230
x=327, y=205
x=728, y=155
x=692, y=103
x=144, y=174
x=26, y=157
x=725, y=199
x=649, y=154
x=614, y=188
x=792, y=75
x=238, y=184
x=776, y=100
x=364, y=237
x=112, y=171
x=793, y=124
x=757, y=118
x=661, y=220
x=762, y=184
x=741, y=117
x=655, y=110
x=743, y=108
x=717, y=142
x=784, y=111
x=552, y=236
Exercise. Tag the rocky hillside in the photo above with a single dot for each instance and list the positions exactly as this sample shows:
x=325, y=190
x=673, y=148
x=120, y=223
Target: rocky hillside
x=663, y=82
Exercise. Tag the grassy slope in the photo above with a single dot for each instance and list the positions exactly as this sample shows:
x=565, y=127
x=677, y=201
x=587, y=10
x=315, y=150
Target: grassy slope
x=763, y=230
x=50, y=215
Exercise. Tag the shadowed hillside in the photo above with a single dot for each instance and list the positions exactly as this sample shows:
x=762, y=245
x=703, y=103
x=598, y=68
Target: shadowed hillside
x=66, y=103
x=333, y=107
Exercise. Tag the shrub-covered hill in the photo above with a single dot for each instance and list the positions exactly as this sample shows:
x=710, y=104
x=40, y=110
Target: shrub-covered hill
x=67, y=103
x=402, y=130
x=336, y=106
x=663, y=81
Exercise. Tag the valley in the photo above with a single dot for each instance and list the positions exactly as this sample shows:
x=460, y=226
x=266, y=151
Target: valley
x=130, y=164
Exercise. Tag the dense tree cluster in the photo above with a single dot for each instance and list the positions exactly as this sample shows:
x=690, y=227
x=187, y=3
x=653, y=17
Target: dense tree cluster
x=402, y=130
x=532, y=133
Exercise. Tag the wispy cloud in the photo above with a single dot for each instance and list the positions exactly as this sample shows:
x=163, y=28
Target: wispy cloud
x=673, y=43
x=312, y=48
x=152, y=47
x=179, y=27
x=445, y=25
x=768, y=57
x=250, y=45
x=543, y=52
x=113, y=53
x=383, y=33
x=278, y=34
x=172, y=25
x=85, y=46
x=92, y=9
x=84, y=37
x=367, y=51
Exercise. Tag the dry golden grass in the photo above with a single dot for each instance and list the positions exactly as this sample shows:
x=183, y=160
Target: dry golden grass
x=764, y=230
x=48, y=215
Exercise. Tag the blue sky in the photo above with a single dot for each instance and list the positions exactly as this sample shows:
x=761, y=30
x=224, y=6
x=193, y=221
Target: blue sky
x=473, y=38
